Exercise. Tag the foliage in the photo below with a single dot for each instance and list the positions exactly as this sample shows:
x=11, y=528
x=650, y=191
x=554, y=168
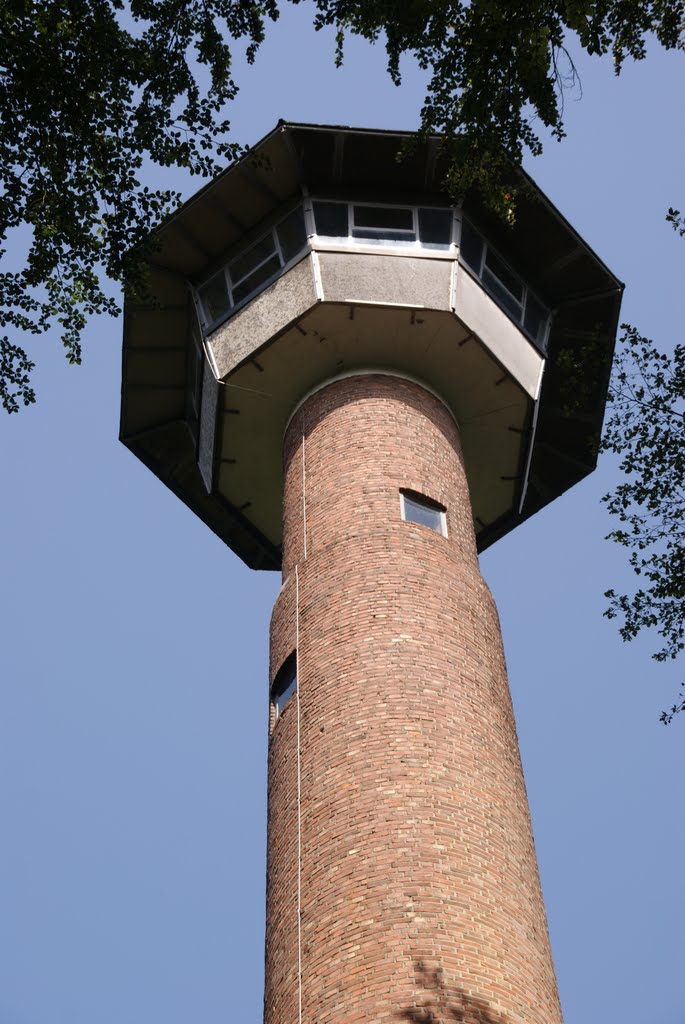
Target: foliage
x=646, y=428
x=90, y=89
x=497, y=67
x=676, y=220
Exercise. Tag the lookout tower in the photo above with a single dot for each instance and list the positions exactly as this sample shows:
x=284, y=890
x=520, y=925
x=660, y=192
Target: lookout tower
x=353, y=380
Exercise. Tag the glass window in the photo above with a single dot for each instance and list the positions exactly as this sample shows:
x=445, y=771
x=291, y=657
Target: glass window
x=471, y=246
x=214, y=297
x=285, y=684
x=292, y=236
x=258, y=265
x=331, y=219
x=245, y=264
x=389, y=223
x=503, y=296
x=435, y=228
x=260, y=275
x=383, y=217
x=384, y=223
x=504, y=285
x=535, y=320
x=416, y=508
x=426, y=227
x=507, y=278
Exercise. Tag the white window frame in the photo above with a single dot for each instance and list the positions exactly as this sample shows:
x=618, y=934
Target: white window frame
x=209, y=323
x=276, y=251
x=418, y=498
x=412, y=233
x=386, y=245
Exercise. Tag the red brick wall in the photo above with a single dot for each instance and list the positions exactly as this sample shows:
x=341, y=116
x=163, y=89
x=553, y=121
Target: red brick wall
x=418, y=879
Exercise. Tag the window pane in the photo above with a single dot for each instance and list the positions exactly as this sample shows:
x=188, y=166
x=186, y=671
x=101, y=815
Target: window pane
x=239, y=268
x=499, y=292
x=471, y=247
x=331, y=219
x=214, y=297
x=379, y=223
x=383, y=217
x=535, y=321
x=435, y=228
x=291, y=235
x=416, y=509
x=252, y=283
x=506, y=277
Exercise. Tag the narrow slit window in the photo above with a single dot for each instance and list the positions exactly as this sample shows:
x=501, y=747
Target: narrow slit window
x=285, y=684
x=417, y=508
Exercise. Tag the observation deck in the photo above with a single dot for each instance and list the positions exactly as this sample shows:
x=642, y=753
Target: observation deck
x=321, y=254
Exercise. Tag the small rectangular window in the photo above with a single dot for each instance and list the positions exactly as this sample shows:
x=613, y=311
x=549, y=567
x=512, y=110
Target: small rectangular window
x=285, y=684
x=416, y=508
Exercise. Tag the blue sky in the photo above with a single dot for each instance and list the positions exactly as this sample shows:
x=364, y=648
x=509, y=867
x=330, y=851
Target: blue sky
x=133, y=661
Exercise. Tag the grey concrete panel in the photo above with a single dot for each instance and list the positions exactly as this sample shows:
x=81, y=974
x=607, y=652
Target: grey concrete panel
x=264, y=317
x=210, y=397
x=498, y=333
x=394, y=280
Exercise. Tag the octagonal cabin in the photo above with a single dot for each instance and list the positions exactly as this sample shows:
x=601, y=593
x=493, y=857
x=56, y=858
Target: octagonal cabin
x=321, y=254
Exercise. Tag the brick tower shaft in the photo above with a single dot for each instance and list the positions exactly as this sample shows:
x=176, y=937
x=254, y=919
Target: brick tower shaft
x=402, y=878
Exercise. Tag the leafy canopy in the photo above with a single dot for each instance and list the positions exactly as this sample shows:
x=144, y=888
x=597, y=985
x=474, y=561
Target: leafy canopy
x=91, y=89
x=497, y=67
x=646, y=428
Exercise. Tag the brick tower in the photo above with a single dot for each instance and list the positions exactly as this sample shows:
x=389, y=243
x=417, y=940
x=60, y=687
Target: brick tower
x=351, y=378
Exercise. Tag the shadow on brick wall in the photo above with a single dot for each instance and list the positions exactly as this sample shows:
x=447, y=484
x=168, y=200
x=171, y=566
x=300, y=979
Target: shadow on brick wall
x=438, y=1003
